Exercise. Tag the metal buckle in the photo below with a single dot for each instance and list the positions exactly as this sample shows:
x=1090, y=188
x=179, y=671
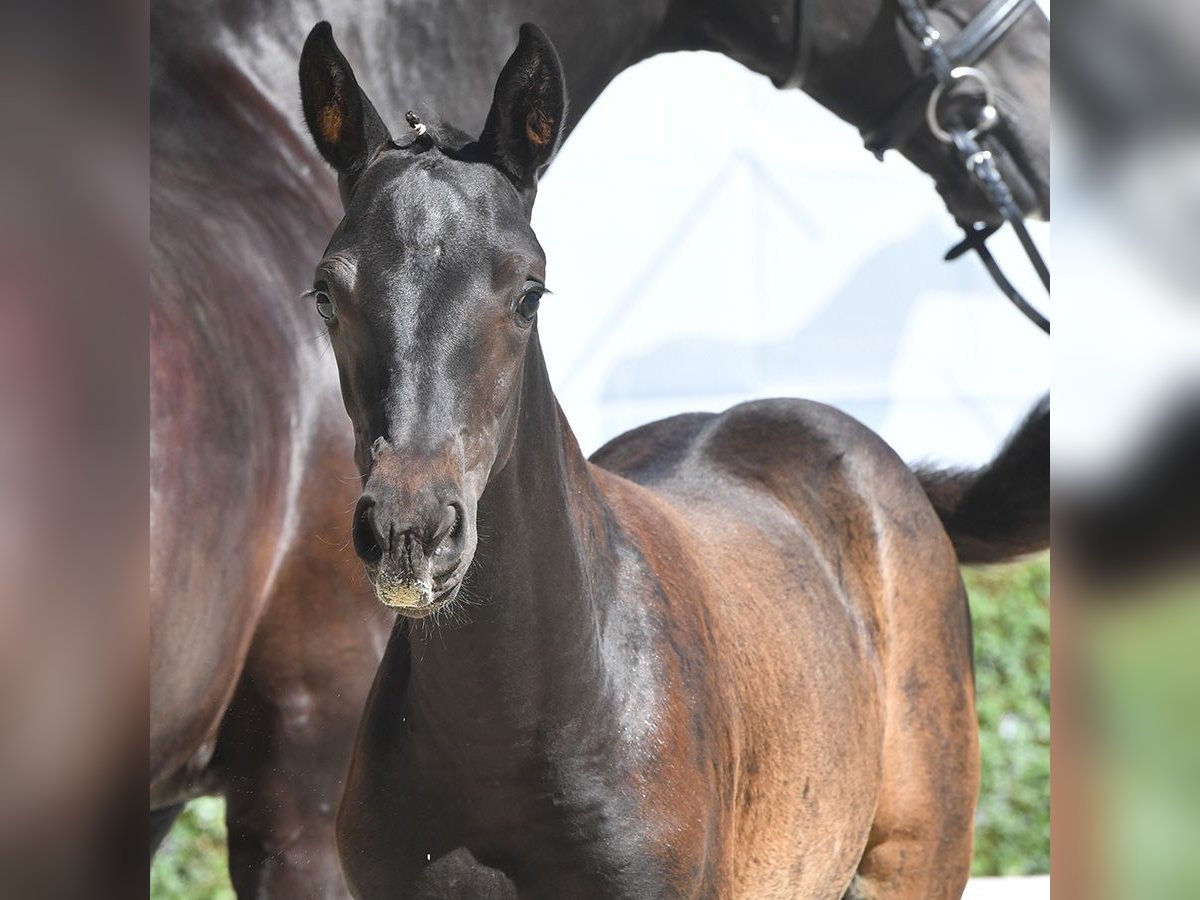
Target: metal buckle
x=987, y=115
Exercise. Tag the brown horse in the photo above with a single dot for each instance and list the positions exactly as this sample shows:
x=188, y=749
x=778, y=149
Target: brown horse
x=262, y=646
x=728, y=657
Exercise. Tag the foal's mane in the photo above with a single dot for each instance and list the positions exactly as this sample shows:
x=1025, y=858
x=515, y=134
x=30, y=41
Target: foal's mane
x=440, y=136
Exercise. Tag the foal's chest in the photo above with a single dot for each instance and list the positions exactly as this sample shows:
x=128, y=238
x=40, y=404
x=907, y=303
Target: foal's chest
x=582, y=819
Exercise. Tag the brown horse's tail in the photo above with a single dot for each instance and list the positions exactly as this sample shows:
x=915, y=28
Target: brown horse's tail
x=1002, y=510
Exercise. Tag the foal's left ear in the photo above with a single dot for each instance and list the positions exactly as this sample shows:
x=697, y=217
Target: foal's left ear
x=525, y=123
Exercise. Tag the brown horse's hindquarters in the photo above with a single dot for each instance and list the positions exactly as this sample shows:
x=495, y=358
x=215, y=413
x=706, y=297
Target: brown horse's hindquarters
x=854, y=655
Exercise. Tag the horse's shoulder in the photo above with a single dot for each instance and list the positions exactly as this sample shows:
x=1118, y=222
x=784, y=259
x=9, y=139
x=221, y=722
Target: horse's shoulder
x=652, y=452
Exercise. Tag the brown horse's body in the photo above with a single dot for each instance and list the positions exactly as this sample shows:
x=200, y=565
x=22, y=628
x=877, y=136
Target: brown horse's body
x=729, y=657
x=767, y=690
x=844, y=702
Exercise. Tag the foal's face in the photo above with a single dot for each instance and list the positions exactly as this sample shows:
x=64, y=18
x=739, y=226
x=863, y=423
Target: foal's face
x=430, y=288
x=434, y=279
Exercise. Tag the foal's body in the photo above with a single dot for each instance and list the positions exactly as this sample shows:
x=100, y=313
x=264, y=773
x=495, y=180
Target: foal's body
x=724, y=659
x=730, y=658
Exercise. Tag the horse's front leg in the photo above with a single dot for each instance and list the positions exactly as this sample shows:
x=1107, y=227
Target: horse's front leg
x=285, y=742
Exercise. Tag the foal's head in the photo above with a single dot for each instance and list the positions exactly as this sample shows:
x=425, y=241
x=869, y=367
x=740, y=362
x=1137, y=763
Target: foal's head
x=430, y=287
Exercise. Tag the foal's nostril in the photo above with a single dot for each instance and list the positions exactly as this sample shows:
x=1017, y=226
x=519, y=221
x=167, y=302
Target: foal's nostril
x=449, y=532
x=366, y=538
x=445, y=528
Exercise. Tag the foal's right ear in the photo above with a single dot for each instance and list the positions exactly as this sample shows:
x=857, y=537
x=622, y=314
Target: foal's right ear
x=525, y=123
x=343, y=123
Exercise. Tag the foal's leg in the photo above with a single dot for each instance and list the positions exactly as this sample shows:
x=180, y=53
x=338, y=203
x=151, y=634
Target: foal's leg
x=920, y=843
x=285, y=742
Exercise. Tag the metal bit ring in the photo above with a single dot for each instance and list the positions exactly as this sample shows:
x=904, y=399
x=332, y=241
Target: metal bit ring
x=987, y=115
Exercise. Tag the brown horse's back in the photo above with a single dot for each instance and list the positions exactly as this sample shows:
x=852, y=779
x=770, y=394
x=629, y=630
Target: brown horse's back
x=229, y=434
x=830, y=595
x=262, y=644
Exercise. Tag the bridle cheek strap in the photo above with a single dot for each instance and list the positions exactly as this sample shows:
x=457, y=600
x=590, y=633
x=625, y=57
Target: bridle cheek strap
x=948, y=63
x=942, y=57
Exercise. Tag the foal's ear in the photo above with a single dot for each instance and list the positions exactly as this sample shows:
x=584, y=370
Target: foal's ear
x=525, y=123
x=343, y=123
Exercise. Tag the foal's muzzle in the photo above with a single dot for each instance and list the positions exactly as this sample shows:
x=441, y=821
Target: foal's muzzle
x=415, y=547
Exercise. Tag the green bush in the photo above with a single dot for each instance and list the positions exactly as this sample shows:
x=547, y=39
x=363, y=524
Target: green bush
x=1011, y=615
x=191, y=863
x=1012, y=670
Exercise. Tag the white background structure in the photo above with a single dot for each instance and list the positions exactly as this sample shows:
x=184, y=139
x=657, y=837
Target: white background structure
x=712, y=239
x=1008, y=889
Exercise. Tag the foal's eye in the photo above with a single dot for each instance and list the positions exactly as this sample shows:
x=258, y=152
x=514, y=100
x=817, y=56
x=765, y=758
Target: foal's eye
x=527, y=306
x=324, y=305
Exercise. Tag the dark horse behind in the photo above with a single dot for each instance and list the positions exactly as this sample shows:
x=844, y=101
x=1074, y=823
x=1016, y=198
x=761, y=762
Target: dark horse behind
x=262, y=642
x=730, y=656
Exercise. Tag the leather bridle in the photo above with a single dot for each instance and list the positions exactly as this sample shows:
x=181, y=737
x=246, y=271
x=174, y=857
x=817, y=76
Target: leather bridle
x=949, y=63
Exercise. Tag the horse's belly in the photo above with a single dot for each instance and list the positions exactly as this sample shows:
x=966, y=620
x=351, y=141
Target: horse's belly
x=807, y=843
x=811, y=718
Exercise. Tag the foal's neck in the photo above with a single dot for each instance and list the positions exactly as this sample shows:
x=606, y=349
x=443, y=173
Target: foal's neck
x=524, y=646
